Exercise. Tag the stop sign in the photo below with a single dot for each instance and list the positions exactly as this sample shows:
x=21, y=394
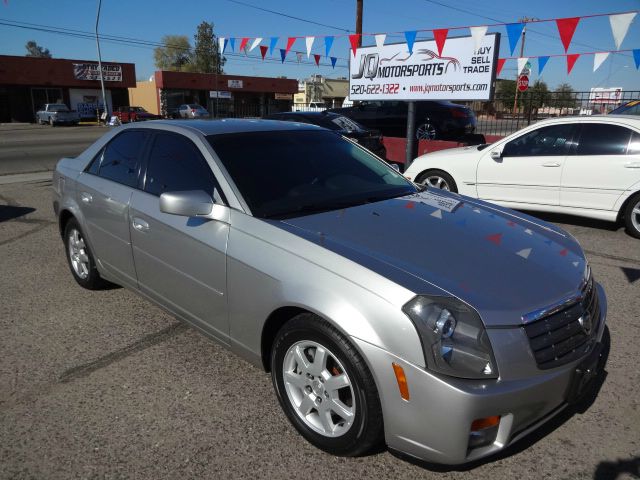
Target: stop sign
x=523, y=83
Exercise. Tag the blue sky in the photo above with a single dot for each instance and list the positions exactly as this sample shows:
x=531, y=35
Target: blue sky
x=150, y=20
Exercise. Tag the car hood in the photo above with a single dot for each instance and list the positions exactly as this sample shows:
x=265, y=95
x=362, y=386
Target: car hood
x=502, y=263
x=470, y=151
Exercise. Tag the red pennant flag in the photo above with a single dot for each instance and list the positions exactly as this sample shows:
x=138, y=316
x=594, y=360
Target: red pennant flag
x=500, y=65
x=567, y=27
x=316, y=57
x=495, y=238
x=243, y=43
x=355, y=41
x=290, y=43
x=263, y=50
x=441, y=36
x=564, y=252
x=571, y=61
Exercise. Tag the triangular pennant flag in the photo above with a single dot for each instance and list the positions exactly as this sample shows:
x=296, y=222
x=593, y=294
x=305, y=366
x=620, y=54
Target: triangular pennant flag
x=566, y=28
x=263, y=50
x=255, y=43
x=316, y=57
x=309, y=42
x=290, y=42
x=272, y=44
x=333, y=62
x=571, y=61
x=299, y=56
x=440, y=35
x=542, y=62
x=514, y=31
x=243, y=43
x=283, y=54
x=598, y=58
x=522, y=62
x=636, y=57
x=524, y=253
x=437, y=214
x=328, y=42
x=222, y=42
x=619, y=26
x=380, y=38
x=478, y=34
x=232, y=42
x=411, y=38
x=354, y=40
x=500, y=65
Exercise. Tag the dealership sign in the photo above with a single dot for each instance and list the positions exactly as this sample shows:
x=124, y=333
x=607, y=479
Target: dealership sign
x=390, y=72
x=605, y=95
x=90, y=71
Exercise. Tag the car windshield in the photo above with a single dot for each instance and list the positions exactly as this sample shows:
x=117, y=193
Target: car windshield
x=58, y=108
x=283, y=174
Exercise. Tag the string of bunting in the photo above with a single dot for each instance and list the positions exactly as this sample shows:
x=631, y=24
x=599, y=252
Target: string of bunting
x=619, y=22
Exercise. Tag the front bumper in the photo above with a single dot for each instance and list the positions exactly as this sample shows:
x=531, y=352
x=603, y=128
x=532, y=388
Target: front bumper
x=434, y=424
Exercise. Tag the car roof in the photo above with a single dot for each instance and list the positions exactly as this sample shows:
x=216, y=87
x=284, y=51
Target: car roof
x=224, y=126
x=626, y=119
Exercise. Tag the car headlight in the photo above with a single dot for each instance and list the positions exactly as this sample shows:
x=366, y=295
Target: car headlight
x=453, y=337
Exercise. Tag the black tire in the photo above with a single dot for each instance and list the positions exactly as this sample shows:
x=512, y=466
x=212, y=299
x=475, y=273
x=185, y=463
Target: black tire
x=448, y=179
x=630, y=216
x=92, y=280
x=366, y=430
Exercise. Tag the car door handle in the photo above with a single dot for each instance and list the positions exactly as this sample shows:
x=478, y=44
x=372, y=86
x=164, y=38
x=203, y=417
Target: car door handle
x=551, y=164
x=140, y=224
x=86, y=197
x=632, y=165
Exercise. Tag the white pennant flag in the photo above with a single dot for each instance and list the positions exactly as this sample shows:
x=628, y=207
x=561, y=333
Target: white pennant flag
x=478, y=34
x=221, y=43
x=522, y=62
x=619, y=26
x=255, y=43
x=309, y=41
x=598, y=58
x=380, y=38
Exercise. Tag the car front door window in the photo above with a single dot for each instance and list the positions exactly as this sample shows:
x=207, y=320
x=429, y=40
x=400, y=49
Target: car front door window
x=546, y=141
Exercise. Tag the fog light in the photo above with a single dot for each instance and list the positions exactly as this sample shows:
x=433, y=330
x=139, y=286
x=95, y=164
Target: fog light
x=483, y=431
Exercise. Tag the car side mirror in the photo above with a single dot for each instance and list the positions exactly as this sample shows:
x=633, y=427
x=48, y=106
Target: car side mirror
x=191, y=203
x=496, y=155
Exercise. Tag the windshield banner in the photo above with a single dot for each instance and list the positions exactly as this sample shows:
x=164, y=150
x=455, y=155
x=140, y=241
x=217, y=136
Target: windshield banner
x=390, y=72
x=90, y=71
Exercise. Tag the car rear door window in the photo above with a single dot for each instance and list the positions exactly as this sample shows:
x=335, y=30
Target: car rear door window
x=119, y=161
x=176, y=164
x=634, y=144
x=603, y=139
x=546, y=141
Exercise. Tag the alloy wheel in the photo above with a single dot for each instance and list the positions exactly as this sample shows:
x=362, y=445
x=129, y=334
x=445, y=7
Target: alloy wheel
x=635, y=216
x=426, y=131
x=78, y=254
x=436, y=181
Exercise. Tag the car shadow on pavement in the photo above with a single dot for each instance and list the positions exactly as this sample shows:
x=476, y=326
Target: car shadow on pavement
x=9, y=212
x=553, y=424
x=575, y=220
x=614, y=470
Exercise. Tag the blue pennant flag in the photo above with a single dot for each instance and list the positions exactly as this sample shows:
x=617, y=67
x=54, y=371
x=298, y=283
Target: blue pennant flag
x=411, y=38
x=328, y=43
x=232, y=42
x=514, y=30
x=542, y=61
x=636, y=57
x=283, y=54
x=333, y=62
x=226, y=41
x=272, y=44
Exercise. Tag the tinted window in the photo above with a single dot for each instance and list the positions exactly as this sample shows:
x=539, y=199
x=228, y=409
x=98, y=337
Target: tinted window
x=634, y=145
x=175, y=164
x=603, y=139
x=297, y=172
x=120, y=159
x=552, y=140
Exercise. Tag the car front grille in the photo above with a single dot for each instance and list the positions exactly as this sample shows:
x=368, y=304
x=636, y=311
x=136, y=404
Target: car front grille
x=568, y=334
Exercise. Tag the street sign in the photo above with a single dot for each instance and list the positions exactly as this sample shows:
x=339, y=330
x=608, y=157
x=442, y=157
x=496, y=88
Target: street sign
x=523, y=83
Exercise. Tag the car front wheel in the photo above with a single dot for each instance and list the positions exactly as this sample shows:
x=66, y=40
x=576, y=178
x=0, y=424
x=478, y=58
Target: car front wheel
x=325, y=388
x=632, y=216
x=437, y=179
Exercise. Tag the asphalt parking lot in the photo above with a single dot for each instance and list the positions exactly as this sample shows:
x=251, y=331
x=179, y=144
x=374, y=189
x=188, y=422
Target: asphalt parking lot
x=106, y=385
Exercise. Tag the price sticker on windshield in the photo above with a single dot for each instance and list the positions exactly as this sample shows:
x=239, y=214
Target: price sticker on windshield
x=434, y=200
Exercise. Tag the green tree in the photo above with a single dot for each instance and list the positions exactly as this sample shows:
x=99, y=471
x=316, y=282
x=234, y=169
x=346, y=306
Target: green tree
x=206, y=54
x=564, y=96
x=34, y=50
x=174, y=54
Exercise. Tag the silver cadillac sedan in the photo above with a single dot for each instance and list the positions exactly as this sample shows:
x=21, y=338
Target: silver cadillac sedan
x=445, y=326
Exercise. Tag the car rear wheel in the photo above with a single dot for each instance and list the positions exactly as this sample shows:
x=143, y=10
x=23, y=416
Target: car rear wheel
x=437, y=179
x=325, y=388
x=426, y=131
x=80, y=259
x=632, y=216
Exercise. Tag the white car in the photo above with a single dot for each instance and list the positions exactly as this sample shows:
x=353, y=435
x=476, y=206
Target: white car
x=586, y=166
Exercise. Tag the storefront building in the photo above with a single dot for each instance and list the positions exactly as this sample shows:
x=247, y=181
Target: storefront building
x=27, y=83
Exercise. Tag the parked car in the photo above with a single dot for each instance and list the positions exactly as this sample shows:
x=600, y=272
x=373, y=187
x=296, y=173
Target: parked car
x=309, y=107
x=435, y=120
x=56, y=114
x=370, y=139
x=134, y=114
x=586, y=166
x=192, y=110
x=382, y=309
x=629, y=108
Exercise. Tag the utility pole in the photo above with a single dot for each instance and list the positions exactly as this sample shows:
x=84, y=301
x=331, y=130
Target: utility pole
x=359, y=21
x=104, y=97
x=524, y=32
